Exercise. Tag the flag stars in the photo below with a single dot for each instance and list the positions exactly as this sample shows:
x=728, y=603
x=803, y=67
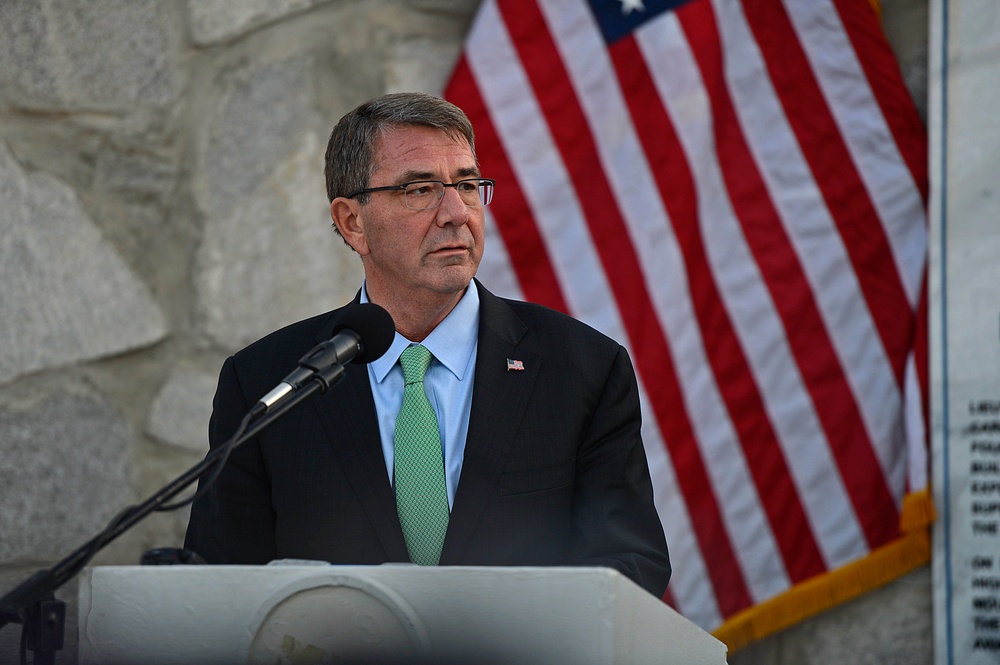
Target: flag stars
x=629, y=6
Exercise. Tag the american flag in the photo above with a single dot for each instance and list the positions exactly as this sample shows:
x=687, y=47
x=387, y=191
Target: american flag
x=736, y=191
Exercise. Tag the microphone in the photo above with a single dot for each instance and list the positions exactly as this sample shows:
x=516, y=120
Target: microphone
x=365, y=333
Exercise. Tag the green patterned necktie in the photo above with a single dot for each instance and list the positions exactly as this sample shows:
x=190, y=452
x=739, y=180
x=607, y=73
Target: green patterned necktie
x=421, y=493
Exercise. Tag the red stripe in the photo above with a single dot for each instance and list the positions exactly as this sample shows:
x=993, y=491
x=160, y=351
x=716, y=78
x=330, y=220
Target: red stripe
x=886, y=82
x=837, y=177
x=569, y=129
x=910, y=134
x=733, y=374
x=810, y=343
x=514, y=216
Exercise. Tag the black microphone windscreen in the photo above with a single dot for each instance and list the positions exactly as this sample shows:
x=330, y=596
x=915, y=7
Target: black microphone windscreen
x=373, y=325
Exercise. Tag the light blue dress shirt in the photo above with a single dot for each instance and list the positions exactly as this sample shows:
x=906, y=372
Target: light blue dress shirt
x=448, y=384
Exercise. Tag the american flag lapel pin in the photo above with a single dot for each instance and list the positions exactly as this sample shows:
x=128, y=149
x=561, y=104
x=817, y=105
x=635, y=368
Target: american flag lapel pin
x=514, y=365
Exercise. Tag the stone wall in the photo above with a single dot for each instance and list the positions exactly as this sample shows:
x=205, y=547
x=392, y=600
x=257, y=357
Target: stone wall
x=161, y=205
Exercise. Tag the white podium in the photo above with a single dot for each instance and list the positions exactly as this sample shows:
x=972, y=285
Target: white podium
x=305, y=614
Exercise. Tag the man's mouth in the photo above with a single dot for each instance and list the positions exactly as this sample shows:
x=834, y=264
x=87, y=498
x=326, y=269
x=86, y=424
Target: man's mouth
x=450, y=248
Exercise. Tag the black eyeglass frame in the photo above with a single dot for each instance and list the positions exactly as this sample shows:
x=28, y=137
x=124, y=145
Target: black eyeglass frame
x=490, y=182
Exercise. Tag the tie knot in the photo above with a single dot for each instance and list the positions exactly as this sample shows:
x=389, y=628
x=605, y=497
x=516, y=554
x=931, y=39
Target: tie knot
x=414, y=361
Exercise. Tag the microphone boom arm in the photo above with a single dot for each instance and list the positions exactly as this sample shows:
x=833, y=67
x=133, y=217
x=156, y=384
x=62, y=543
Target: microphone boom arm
x=24, y=603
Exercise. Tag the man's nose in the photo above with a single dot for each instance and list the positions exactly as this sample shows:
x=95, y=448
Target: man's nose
x=452, y=209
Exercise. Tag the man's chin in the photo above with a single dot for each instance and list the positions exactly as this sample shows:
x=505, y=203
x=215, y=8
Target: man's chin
x=453, y=278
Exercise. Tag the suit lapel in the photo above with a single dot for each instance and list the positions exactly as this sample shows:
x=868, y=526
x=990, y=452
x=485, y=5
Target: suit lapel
x=498, y=403
x=347, y=412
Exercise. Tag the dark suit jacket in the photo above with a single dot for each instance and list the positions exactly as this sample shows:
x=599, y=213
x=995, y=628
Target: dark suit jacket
x=554, y=472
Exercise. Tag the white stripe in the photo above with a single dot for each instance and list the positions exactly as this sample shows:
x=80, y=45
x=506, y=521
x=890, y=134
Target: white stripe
x=689, y=580
x=623, y=162
x=916, y=432
x=496, y=271
x=519, y=125
x=749, y=303
x=540, y=172
x=868, y=138
x=819, y=246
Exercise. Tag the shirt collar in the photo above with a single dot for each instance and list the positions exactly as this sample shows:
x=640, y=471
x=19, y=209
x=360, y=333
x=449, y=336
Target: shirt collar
x=452, y=342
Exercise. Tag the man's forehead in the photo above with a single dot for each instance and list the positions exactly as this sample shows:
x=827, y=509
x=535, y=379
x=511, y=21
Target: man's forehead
x=402, y=148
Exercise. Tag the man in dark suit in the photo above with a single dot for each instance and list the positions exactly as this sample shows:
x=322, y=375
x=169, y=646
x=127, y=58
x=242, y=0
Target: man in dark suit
x=537, y=456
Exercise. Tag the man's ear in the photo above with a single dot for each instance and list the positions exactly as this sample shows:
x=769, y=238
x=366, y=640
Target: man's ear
x=345, y=215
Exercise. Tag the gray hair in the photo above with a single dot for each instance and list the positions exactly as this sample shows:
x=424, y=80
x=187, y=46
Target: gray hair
x=350, y=153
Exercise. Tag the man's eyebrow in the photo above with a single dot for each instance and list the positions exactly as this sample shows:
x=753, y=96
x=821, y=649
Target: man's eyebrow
x=410, y=176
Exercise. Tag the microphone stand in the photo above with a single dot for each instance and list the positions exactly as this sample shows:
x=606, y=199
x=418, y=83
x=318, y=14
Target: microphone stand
x=32, y=602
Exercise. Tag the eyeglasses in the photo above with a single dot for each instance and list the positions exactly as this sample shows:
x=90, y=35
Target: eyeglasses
x=426, y=194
